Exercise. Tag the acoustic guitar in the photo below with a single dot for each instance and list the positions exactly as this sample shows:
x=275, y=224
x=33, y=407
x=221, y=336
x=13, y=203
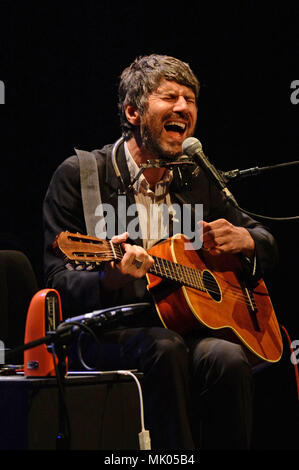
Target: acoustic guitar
x=193, y=289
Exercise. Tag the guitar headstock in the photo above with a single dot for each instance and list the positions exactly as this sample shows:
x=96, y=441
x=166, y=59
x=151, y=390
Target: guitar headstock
x=84, y=252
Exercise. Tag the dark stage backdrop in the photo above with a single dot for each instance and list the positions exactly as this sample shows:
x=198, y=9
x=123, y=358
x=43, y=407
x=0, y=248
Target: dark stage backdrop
x=60, y=63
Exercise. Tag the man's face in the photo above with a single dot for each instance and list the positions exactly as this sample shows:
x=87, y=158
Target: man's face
x=169, y=119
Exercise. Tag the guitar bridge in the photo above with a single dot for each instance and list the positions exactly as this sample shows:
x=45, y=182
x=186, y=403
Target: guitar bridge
x=252, y=308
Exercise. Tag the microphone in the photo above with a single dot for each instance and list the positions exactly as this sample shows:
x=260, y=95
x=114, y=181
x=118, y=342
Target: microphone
x=193, y=148
x=105, y=315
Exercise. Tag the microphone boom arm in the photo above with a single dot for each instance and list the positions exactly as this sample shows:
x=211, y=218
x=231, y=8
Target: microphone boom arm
x=234, y=175
x=193, y=148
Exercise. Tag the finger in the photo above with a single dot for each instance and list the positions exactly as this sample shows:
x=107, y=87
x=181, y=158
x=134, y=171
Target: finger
x=143, y=259
x=120, y=238
x=220, y=224
x=129, y=259
x=208, y=237
x=203, y=225
x=145, y=264
x=215, y=250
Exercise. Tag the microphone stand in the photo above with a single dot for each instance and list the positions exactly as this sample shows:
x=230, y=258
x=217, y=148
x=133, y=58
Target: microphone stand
x=237, y=174
x=182, y=161
x=56, y=341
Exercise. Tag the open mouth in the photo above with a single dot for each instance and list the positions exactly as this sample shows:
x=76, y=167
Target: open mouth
x=175, y=126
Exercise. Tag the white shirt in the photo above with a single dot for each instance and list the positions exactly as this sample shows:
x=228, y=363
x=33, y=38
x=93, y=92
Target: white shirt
x=154, y=207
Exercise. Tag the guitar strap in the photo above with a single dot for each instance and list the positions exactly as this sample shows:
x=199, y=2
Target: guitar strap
x=91, y=194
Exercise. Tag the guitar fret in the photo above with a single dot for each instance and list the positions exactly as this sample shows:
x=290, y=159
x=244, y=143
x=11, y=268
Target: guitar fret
x=170, y=270
x=117, y=251
x=162, y=267
x=199, y=280
x=187, y=275
x=175, y=272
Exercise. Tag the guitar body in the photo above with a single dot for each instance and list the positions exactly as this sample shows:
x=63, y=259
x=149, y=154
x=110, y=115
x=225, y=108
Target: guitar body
x=227, y=305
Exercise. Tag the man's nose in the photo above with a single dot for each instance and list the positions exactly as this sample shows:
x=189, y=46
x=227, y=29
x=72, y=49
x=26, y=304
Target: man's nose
x=180, y=104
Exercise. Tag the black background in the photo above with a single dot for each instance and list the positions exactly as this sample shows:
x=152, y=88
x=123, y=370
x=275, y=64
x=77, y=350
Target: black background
x=60, y=62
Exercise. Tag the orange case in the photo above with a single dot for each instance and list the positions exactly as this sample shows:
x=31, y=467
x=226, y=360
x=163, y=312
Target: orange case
x=44, y=314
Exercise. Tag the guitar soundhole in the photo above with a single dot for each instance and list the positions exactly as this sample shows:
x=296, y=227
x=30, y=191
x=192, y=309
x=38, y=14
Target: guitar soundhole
x=211, y=285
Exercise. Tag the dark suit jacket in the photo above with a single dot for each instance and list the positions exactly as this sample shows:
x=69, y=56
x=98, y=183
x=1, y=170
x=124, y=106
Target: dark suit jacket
x=81, y=291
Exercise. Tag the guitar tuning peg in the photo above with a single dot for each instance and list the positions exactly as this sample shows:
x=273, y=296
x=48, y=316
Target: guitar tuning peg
x=69, y=266
x=80, y=267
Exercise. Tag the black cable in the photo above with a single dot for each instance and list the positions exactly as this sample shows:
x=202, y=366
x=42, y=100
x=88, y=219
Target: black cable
x=255, y=171
x=64, y=433
x=63, y=438
x=94, y=336
x=275, y=219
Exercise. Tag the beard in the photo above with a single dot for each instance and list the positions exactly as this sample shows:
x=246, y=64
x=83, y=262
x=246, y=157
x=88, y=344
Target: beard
x=153, y=145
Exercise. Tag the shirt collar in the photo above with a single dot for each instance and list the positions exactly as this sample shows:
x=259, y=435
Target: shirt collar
x=141, y=185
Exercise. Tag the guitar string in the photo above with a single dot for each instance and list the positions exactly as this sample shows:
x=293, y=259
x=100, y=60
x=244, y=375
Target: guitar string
x=196, y=283
x=208, y=286
x=188, y=272
x=191, y=276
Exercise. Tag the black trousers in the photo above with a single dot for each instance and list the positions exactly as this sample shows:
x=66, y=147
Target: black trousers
x=197, y=391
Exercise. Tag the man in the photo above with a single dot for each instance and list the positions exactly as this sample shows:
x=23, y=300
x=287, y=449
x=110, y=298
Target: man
x=198, y=376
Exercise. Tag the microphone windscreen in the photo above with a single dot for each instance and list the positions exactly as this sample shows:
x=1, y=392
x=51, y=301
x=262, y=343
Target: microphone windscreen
x=189, y=142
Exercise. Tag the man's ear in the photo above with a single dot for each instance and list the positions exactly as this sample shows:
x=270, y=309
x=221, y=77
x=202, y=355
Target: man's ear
x=132, y=115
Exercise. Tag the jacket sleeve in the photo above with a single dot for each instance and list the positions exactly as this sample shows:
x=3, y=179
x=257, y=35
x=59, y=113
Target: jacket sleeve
x=215, y=206
x=62, y=210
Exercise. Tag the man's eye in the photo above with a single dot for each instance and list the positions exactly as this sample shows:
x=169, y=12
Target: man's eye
x=170, y=98
x=174, y=98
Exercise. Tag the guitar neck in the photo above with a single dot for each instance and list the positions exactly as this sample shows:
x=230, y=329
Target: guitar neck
x=169, y=270
x=176, y=272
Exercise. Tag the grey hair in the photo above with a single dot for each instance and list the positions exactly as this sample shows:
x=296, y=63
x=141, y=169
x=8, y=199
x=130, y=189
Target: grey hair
x=143, y=77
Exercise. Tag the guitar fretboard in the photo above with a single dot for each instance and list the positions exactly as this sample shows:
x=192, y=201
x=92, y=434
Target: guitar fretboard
x=176, y=272
x=171, y=271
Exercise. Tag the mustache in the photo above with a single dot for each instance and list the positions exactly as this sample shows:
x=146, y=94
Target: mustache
x=179, y=114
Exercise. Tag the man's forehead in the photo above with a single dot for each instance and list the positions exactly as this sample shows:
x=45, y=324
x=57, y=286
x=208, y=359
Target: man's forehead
x=172, y=86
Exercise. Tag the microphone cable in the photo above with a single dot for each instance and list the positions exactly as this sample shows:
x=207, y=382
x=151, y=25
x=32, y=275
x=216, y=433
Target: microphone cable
x=143, y=435
x=193, y=148
x=265, y=217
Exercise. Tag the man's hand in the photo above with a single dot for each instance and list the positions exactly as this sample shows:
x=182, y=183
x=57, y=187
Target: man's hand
x=135, y=263
x=220, y=236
